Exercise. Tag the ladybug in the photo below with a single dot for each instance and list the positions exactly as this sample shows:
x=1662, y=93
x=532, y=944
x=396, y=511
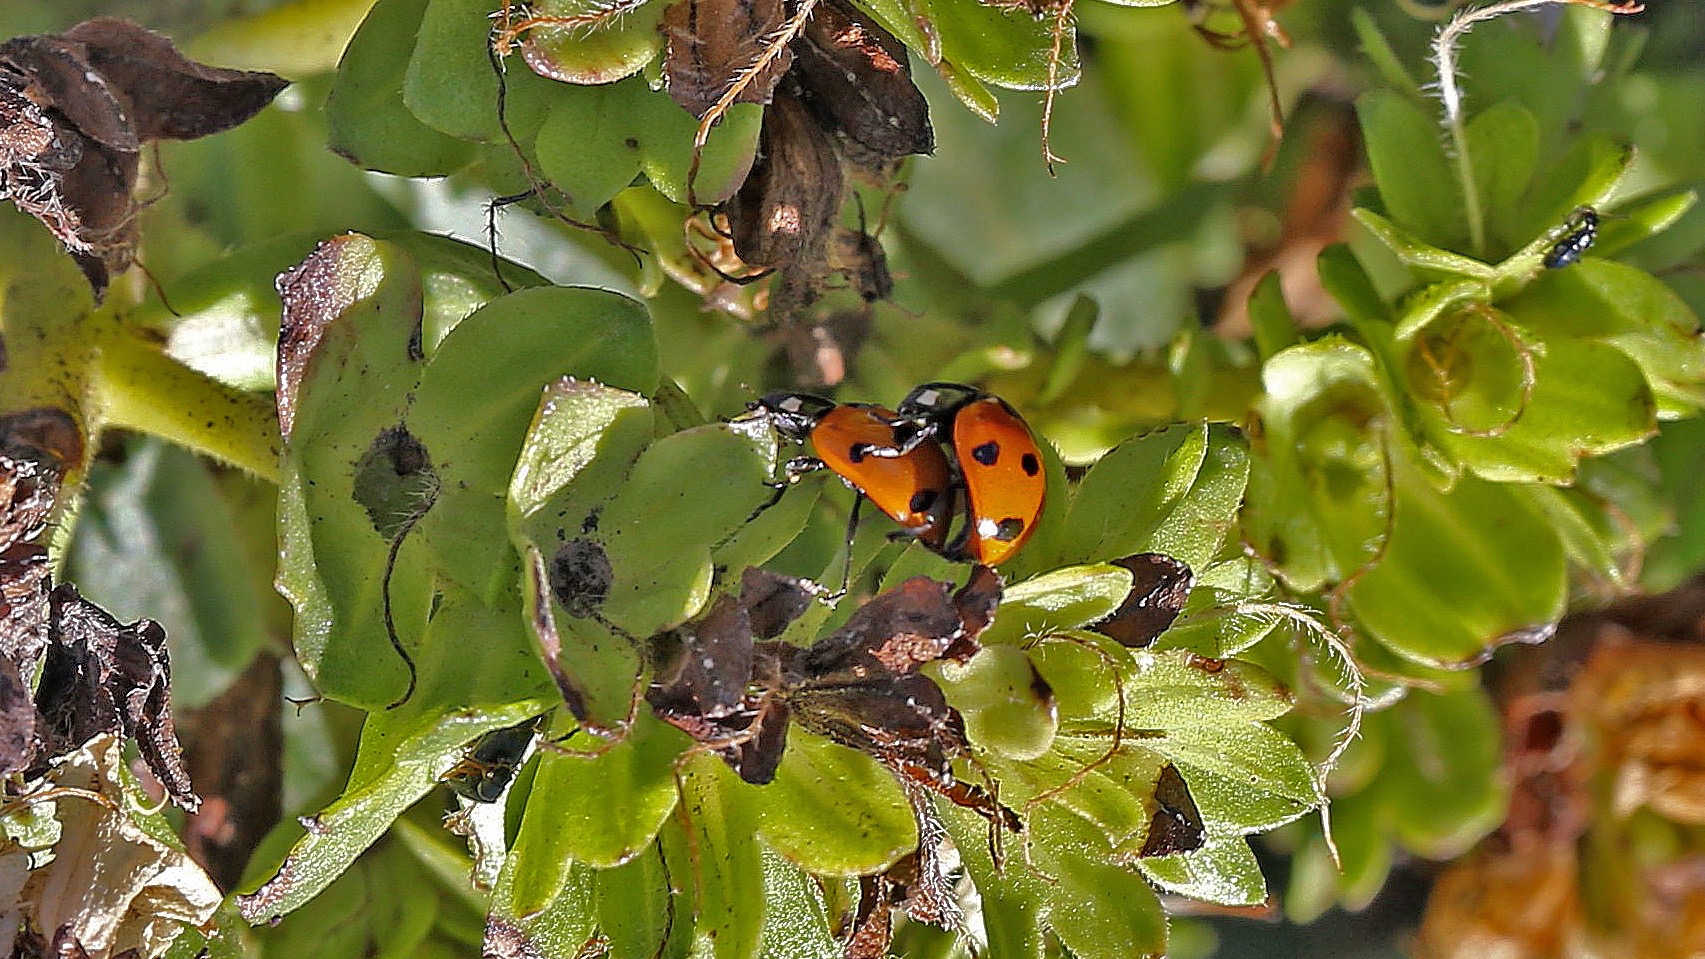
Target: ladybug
x=1580, y=231
x=997, y=458
x=858, y=442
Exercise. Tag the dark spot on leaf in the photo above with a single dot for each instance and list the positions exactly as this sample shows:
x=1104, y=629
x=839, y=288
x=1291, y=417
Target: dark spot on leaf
x=395, y=482
x=1177, y=824
x=1160, y=585
x=580, y=576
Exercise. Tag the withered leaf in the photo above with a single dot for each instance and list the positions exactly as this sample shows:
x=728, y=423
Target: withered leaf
x=17, y=720
x=854, y=77
x=1160, y=585
x=28, y=489
x=101, y=676
x=112, y=889
x=76, y=108
x=858, y=686
x=784, y=215
x=711, y=42
x=718, y=687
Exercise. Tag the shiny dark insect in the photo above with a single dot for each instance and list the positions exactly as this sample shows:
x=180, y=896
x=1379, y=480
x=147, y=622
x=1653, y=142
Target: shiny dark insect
x=1581, y=231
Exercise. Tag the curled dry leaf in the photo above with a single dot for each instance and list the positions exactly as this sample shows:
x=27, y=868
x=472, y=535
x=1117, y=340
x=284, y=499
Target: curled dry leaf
x=711, y=42
x=1160, y=585
x=102, y=676
x=36, y=448
x=111, y=887
x=854, y=78
x=858, y=686
x=783, y=216
x=77, y=107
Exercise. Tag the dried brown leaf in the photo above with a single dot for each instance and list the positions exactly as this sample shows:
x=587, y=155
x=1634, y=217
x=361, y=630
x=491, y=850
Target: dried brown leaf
x=101, y=676
x=854, y=77
x=111, y=886
x=76, y=108
x=709, y=44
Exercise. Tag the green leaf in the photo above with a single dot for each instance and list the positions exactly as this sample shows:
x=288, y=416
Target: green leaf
x=1503, y=144
x=1631, y=310
x=1416, y=184
x=1586, y=398
x=585, y=435
x=1117, y=796
x=1013, y=902
x=559, y=923
x=369, y=123
x=1245, y=777
x=1008, y=48
x=832, y=811
x=796, y=919
x=661, y=526
x=1318, y=502
x=1441, y=785
x=450, y=82
x=1443, y=591
x=1060, y=600
x=601, y=811
x=480, y=392
x=1005, y=707
x=1098, y=910
x=634, y=908
x=1122, y=501
x=1170, y=690
x=601, y=54
x=1223, y=871
x=726, y=865
x=405, y=769
x=332, y=560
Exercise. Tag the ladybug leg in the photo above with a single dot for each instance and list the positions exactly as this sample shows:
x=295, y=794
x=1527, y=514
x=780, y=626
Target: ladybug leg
x=846, y=568
x=908, y=436
x=792, y=472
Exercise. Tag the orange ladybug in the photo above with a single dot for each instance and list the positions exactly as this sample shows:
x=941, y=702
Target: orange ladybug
x=916, y=487
x=998, y=461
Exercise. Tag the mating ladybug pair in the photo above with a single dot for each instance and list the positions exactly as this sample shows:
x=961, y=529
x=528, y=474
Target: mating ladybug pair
x=899, y=460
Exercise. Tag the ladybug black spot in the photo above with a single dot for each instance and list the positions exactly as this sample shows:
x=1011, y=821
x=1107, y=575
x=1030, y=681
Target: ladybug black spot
x=923, y=499
x=987, y=454
x=1009, y=529
x=1030, y=464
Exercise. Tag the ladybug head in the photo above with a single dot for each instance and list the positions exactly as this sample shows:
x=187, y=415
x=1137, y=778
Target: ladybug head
x=937, y=401
x=793, y=415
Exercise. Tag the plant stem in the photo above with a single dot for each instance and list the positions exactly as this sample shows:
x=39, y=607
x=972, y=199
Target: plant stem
x=144, y=390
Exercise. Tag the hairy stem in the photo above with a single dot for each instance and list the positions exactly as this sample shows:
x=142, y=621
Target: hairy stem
x=142, y=389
